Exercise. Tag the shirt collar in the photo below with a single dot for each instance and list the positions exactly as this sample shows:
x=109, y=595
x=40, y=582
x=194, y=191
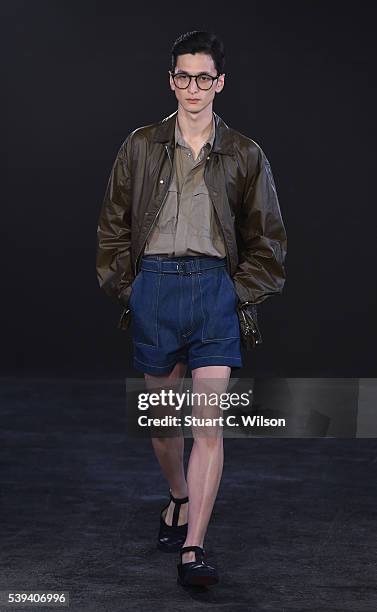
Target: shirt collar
x=181, y=141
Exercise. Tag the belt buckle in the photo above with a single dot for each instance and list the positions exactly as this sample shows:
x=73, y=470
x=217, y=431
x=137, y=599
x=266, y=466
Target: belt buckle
x=182, y=267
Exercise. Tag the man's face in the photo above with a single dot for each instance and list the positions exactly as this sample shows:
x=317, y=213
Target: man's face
x=196, y=64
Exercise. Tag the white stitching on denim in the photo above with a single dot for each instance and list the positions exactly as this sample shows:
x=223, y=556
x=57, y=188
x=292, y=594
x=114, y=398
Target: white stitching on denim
x=229, y=280
x=132, y=294
x=206, y=340
x=157, y=291
x=187, y=333
x=157, y=300
x=219, y=339
x=154, y=366
x=193, y=286
x=201, y=304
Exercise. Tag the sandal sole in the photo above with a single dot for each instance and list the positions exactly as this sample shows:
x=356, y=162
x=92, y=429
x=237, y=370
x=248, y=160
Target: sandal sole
x=199, y=581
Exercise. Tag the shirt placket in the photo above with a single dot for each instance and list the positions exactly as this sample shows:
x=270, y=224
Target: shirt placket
x=181, y=239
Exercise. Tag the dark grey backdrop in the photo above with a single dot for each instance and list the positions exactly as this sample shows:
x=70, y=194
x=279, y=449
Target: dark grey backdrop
x=79, y=76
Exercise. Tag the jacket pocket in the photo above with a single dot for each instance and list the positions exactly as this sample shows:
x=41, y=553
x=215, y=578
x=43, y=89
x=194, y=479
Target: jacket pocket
x=200, y=217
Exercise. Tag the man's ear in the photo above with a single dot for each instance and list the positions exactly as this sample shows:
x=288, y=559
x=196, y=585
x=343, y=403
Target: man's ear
x=171, y=82
x=220, y=84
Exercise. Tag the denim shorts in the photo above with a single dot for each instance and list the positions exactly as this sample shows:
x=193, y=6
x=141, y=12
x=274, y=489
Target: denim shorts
x=184, y=309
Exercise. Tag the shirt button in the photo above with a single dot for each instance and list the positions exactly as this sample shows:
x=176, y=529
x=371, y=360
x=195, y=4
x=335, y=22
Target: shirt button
x=161, y=180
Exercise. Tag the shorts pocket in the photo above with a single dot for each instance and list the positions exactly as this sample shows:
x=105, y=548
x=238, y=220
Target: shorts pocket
x=230, y=281
x=133, y=286
x=219, y=306
x=144, y=308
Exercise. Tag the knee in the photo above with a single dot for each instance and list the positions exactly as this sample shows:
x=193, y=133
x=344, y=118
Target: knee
x=209, y=443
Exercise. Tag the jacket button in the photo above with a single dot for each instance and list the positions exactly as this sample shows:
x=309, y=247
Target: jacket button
x=161, y=180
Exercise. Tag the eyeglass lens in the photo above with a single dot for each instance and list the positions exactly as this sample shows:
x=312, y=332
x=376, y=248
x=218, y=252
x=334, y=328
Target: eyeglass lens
x=204, y=81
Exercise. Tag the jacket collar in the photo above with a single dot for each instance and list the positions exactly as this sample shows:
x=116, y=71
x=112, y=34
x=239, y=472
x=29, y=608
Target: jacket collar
x=223, y=143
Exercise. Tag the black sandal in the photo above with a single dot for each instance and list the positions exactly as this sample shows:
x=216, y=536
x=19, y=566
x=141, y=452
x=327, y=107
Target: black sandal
x=171, y=537
x=196, y=573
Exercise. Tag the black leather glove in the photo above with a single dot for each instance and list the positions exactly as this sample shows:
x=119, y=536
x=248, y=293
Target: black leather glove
x=250, y=332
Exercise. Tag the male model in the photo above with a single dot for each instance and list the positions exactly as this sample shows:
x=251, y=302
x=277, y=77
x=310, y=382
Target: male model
x=190, y=239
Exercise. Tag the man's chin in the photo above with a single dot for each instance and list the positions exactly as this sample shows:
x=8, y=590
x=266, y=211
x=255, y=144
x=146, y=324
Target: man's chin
x=192, y=108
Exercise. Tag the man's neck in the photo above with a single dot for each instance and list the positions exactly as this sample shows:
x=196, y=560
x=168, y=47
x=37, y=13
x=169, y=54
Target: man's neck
x=195, y=127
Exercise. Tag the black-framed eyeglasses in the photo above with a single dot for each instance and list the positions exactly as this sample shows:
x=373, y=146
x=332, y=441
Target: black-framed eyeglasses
x=203, y=80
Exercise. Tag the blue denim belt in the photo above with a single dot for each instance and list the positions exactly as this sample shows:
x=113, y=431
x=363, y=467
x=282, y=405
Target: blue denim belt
x=184, y=264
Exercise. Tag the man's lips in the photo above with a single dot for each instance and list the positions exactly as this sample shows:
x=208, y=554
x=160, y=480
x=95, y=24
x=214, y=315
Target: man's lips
x=192, y=99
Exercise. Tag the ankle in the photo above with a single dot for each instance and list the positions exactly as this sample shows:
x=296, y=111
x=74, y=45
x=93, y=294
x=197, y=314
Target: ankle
x=193, y=543
x=190, y=555
x=179, y=493
x=168, y=513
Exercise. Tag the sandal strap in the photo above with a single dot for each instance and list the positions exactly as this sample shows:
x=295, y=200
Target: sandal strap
x=197, y=549
x=178, y=501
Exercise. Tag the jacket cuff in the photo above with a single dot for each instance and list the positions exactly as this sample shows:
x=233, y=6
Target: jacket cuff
x=124, y=296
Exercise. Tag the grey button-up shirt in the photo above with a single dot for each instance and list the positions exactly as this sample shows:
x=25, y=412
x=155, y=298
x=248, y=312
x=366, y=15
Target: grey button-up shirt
x=187, y=223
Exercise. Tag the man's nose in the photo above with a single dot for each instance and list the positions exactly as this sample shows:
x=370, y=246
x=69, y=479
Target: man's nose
x=193, y=88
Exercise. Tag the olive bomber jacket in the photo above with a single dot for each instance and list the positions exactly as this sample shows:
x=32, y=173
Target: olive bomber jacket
x=241, y=186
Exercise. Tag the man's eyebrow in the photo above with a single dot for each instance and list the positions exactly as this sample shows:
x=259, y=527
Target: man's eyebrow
x=184, y=72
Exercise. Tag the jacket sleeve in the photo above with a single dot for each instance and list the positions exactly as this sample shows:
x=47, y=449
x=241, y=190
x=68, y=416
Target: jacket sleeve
x=260, y=272
x=113, y=258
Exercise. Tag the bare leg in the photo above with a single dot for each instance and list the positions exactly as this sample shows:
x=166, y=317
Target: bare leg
x=169, y=450
x=206, y=462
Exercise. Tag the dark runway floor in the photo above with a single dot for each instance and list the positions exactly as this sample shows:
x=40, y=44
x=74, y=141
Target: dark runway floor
x=293, y=527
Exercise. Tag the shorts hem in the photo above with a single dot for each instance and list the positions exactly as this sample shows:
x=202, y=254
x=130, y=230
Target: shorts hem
x=152, y=369
x=199, y=362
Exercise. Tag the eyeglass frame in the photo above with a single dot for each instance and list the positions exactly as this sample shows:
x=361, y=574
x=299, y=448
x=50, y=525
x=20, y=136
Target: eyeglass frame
x=193, y=76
